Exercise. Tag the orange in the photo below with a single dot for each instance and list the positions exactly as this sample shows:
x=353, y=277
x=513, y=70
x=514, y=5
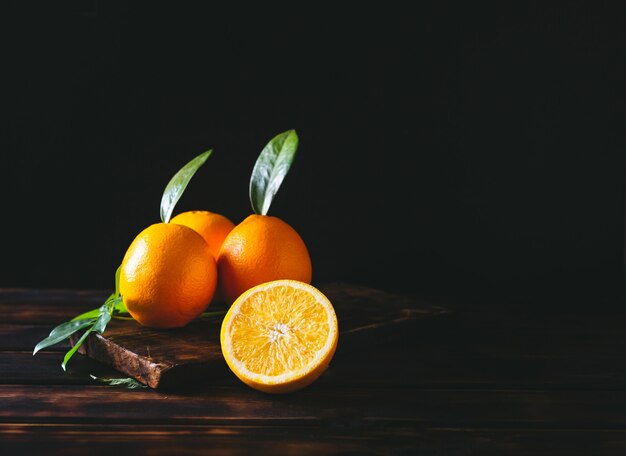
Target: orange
x=213, y=227
x=260, y=249
x=168, y=276
x=279, y=336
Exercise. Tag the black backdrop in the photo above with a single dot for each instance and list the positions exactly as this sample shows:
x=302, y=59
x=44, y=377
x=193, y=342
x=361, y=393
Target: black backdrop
x=443, y=150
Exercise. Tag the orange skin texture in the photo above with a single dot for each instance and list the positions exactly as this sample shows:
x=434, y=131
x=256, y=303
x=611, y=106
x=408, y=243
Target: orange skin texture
x=168, y=276
x=260, y=249
x=212, y=227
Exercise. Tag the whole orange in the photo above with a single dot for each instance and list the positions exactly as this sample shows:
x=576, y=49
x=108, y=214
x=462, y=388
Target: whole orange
x=168, y=276
x=260, y=249
x=213, y=227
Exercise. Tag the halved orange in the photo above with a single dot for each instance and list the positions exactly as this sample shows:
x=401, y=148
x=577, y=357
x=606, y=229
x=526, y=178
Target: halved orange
x=279, y=336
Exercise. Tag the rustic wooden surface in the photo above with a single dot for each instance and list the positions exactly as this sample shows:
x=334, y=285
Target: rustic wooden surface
x=514, y=376
x=174, y=358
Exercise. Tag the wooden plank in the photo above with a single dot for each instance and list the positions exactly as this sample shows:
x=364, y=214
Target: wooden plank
x=51, y=296
x=25, y=337
x=168, y=358
x=319, y=405
x=193, y=439
x=484, y=380
x=44, y=314
x=22, y=368
x=455, y=351
x=379, y=439
x=421, y=355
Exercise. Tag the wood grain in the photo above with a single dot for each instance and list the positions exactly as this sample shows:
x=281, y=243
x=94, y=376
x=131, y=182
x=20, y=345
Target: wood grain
x=227, y=439
x=320, y=404
x=495, y=375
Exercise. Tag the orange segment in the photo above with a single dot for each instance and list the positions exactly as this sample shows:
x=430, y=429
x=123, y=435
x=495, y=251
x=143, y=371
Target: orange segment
x=279, y=336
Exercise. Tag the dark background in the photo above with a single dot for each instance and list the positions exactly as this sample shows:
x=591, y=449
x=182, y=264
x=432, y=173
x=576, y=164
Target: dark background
x=446, y=150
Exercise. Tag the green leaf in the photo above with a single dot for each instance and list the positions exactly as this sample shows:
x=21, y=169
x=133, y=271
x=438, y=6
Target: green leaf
x=178, y=183
x=95, y=319
x=95, y=313
x=117, y=281
x=103, y=320
x=71, y=352
x=212, y=314
x=120, y=307
x=270, y=169
x=99, y=326
x=128, y=382
x=63, y=331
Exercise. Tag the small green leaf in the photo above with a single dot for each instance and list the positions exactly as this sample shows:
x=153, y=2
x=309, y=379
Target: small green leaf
x=103, y=320
x=270, y=169
x=95, y=320
x=99, y=326
x=178, y=183
x=128, y=382
x=215, y=313
x=71, y=352
x=117, y=281
x=120, y=307
x=95, y=313
x=63, y=331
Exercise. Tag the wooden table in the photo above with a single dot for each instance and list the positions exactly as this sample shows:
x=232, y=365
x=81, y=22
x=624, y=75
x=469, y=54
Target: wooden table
x=495, y=376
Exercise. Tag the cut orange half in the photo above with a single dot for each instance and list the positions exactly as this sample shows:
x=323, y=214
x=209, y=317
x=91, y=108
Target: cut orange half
x=279, y=336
